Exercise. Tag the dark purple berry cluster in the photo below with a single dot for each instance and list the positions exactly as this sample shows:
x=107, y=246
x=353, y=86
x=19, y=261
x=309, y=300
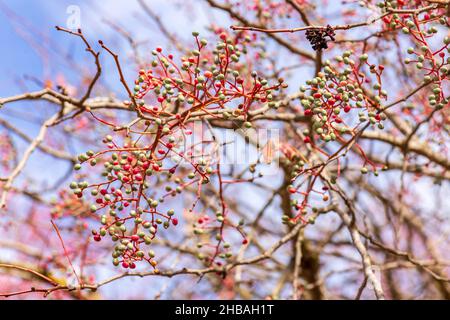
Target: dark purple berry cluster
x=318, y=37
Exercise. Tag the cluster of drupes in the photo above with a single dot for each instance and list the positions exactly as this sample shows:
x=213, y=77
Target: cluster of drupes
x=336, y=92
x=206, y=79
x=422, y=29
x=131, y=217
x=436, y=65
x=129, y=198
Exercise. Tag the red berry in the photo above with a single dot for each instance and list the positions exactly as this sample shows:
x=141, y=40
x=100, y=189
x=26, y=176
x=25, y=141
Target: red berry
x=317, y=95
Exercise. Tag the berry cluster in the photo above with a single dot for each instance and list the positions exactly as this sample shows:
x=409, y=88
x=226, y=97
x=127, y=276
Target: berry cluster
x=435, y=63
x=318, y=37
x=429, y=53
x=207, y=79
x=335, y=93
x=329, y=99
x=154, y=162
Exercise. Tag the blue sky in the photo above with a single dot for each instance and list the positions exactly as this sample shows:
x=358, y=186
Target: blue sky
x=32, y=46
